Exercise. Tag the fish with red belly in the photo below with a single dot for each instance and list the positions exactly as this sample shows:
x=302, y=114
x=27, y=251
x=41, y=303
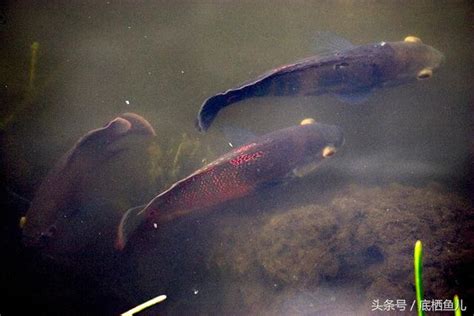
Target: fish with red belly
x=350, y=73
x=289, y=152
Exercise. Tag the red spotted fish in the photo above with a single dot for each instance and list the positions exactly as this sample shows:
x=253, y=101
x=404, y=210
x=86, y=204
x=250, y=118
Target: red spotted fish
x=46, y=225
x=289, y=152
x=350, y=74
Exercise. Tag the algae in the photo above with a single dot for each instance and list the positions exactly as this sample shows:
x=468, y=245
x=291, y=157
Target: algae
x=361, y=239
x=173, y=160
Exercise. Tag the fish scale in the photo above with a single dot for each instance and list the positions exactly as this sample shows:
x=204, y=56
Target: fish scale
x=268, y=159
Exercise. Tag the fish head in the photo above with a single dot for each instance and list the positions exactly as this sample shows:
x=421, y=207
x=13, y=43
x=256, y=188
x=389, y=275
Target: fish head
x=76, y=229
x=107, y=141
x=46, y=233
x=415, y=60
x=321, y=142
x=58, y=219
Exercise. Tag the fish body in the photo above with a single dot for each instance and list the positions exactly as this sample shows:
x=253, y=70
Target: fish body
x=55, y=200
x=293, y=151
x=351, y=74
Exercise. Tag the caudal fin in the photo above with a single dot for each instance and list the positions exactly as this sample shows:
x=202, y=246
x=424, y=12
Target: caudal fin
x=209, y=110
x=130, y=221
x=214, y=104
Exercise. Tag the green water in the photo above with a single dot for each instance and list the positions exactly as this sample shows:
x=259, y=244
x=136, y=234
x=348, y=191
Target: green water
x=162, y=60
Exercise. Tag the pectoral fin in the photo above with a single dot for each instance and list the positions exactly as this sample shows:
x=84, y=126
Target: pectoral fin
x=306, y=169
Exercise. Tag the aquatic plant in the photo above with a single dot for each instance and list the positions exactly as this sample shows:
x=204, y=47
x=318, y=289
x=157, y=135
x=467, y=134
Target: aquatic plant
x=418, y=262
x=145, y=305
x=457, y=307
x=33, y=62
x=29, y=92
x=187, y=147
x=289, y=240
x=176, y=159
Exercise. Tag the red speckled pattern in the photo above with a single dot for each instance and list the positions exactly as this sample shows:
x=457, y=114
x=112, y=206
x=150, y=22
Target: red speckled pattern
x=238, y=173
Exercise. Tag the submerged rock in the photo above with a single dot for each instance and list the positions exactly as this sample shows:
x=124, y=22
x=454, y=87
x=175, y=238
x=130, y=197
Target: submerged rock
x=361, y=240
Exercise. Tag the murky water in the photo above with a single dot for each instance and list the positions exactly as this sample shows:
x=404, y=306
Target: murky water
x=331, y=243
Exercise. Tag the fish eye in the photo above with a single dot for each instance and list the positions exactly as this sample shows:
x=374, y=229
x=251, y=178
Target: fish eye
x=341, y=65
x=307, y=121
x=328, y=151
x=425, y=73
x=412, y=39
x=22, y=222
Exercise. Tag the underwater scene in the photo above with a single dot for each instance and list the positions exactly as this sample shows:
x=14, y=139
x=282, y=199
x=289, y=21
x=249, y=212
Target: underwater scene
x=237, y=157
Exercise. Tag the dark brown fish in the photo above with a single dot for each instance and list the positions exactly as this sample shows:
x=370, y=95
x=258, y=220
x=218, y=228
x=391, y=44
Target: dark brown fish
x=294, y=151
x=351, y=74
x=54, y=200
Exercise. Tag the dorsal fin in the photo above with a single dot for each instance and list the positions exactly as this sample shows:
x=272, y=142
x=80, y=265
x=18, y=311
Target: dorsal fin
x=328, y=42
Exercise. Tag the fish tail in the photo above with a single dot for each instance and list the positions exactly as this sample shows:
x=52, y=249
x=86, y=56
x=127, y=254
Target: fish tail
x=129, y=223
x=214, y=104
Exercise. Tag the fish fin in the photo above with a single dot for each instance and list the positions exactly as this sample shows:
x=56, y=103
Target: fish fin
x=98, y=138
x=328, y=42
x=238, y=136
x=305, y=170
x=102, y=140
x=139, y=124
x=130, y=221
x=210, y=108
x=354, y=97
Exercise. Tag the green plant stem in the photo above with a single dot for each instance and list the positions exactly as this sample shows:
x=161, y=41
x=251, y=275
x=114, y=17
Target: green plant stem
x=418, y=262
x=33, y=63
x=457, y=307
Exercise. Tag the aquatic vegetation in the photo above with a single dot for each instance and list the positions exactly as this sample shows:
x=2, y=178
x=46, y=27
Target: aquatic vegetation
x=457, y=307
x=145, y=305
x=418, y=263
x=33, y=65
x=154, y=151
x=29, y=90
x=186, y=149
x=172, y=160
x=346, y=238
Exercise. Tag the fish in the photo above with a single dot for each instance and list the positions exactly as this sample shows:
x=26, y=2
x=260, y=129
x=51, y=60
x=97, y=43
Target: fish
x=274, y=157
x=350, y=73
x=55, y=201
